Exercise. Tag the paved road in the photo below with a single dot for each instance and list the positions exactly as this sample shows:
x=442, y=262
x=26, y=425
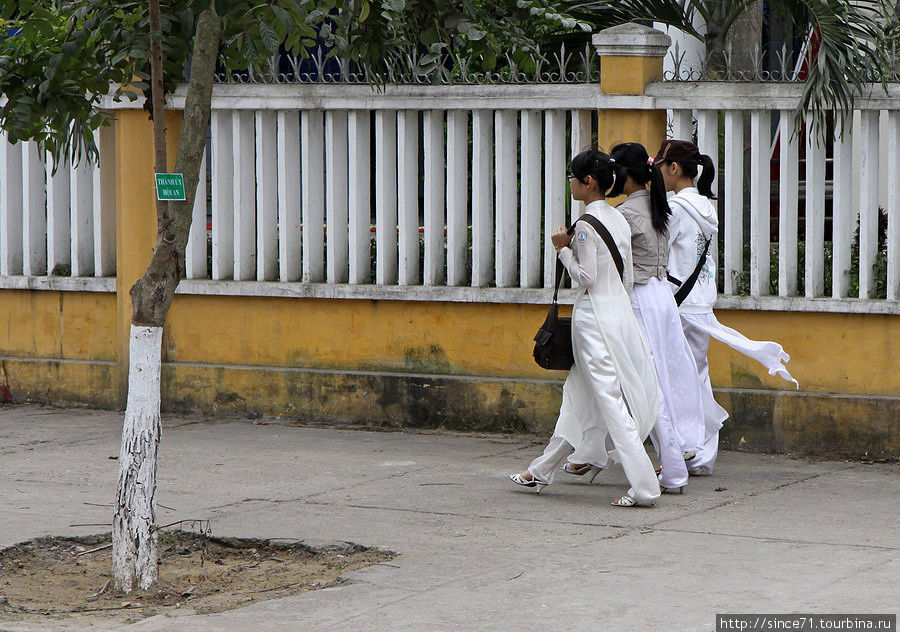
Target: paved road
x=767, y=533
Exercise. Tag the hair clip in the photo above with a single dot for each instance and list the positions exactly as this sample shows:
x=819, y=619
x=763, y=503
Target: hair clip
x=650, y=161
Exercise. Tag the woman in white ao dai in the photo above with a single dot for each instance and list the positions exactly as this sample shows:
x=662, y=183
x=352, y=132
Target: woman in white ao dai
x=610, y=397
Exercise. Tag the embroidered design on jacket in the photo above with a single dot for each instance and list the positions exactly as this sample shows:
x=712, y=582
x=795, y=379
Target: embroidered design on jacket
x=706, y=272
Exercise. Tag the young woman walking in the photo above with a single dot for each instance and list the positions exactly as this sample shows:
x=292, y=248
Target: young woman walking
x=680, y=430
x=693, y=223
x=610, y=397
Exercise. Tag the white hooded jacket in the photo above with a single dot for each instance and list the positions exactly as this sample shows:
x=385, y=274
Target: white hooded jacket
x=693, y=221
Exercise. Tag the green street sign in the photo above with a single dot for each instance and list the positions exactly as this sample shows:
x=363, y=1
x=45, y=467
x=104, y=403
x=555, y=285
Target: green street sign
x=170, y=186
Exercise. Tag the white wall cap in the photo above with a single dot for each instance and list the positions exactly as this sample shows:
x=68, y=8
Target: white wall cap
x=631, y=40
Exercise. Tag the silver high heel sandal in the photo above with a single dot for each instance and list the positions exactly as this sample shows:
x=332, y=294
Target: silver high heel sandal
x=672, y=490
x=534, y=482
x=586, y=468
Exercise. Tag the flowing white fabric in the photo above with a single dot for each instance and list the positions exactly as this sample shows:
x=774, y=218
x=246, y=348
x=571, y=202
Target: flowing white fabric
x=769, y=354
x=610, y=398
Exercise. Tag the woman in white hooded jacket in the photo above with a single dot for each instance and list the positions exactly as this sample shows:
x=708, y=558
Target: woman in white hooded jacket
x=694, y=222
x=611, y=396
x=681, y=429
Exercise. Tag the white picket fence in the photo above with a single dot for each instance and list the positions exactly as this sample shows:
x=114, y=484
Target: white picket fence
x=449, y=192
x=55, y=222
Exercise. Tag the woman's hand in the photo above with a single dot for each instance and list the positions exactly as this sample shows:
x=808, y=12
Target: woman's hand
x=560, y=238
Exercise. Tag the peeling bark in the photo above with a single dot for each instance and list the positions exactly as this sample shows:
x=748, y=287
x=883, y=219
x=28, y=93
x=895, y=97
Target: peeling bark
x=135, y=556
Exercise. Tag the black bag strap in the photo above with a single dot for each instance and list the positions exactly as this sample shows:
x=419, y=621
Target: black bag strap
x=607, y=238
x=688, y=284
x=560, y=268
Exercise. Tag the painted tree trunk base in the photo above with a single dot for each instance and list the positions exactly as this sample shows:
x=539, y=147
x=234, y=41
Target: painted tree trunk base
x=135, y=556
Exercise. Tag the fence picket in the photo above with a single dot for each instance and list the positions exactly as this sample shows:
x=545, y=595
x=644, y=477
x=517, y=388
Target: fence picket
x=389, y=192
x=222, y=195
x=59, y=249
x=105, y=204
x=457, y=196
x=582, y=139
x=289, y=196
x=788, y=199
x=266, y=196
x=435, y=201
x=81, y=197
x=760, y=202
x=708, y=142
x=682, y=125
x=893, y=207
x=404, y=229
x=868, y=202
x=554, y=185
x=530, y=207
x=814, y=246
x=244, y=145
x=482, y=197
x=10, y=207
x=842, y=214
x=195, y=252
x=734, y=200
x=336, y=200
x=359, y=203
x=506, y=198
x=312, y=166
x=34, y=207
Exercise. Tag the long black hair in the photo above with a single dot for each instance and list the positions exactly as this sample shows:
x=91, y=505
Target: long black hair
x=639, y=167
x=688, y=155
x=704, y=182
x=606, y=171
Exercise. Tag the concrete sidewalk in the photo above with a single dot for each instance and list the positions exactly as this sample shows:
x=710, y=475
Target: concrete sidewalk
x=765, y=534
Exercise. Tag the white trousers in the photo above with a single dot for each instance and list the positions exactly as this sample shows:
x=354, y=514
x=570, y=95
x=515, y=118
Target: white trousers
x=699, y=343
x=638, y=470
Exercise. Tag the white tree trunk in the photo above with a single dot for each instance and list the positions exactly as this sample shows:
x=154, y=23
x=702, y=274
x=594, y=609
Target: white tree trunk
x=135, y=556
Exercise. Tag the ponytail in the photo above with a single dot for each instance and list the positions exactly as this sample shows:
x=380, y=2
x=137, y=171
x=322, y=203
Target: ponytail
x=704, y=182
x=620, y=174
x=636, y=164
x=609, y=175
x=659, y=203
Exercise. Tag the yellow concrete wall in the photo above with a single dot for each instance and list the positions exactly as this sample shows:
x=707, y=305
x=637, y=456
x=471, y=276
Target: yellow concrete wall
x=831, y=353
x=840, y=353
x=457, y=365
x=64, y=325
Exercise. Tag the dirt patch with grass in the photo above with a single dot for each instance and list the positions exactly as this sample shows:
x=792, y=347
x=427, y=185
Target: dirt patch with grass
x=70, y=576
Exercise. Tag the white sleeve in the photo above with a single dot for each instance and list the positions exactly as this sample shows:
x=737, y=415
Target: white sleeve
x=580, y=258
x=674, y=225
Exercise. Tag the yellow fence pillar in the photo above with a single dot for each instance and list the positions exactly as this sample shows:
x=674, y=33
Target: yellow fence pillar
x=631, y=56
x=135, y=214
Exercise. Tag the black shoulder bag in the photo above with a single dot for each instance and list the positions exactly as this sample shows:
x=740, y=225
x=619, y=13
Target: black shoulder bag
x=553, y=342
x=688, y=285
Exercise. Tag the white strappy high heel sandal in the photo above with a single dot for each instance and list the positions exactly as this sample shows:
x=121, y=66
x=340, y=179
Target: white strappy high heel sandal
x=624, y=501
x=524, y=482
x=581, y=470
x=628, y=501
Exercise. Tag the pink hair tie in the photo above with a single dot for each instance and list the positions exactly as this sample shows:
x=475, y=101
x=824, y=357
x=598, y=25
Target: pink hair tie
x=650, y=161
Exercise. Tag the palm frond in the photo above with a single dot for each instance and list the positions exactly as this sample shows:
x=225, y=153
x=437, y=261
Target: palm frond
x=677, y=13
x=852, y=53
